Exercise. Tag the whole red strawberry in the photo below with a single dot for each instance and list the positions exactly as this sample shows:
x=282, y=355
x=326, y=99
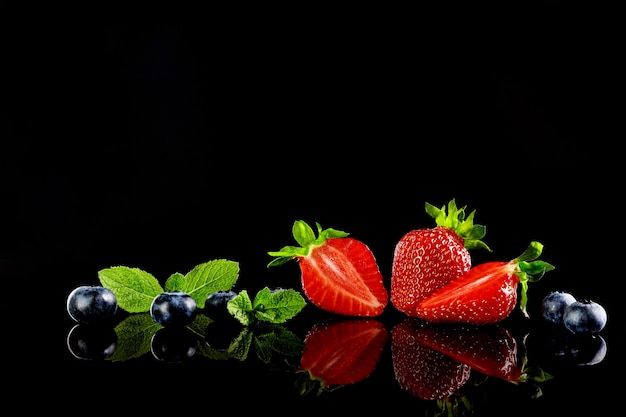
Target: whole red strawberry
x=426, y=259
x=487, y=293
x=339, y=274
x=421, y=370
x=341, y=353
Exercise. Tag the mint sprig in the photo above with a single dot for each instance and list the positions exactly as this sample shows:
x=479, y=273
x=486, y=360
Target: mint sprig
x=274, y=306
x=135, y=289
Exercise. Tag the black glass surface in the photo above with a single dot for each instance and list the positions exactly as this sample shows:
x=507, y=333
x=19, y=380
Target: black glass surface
x=162, y=143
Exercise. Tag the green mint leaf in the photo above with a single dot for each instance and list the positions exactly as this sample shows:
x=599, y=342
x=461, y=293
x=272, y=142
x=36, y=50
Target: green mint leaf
x=277, y=306
x=135, y=289
x=204, y=279
x=134, y=336
x=240, y=307
x=175, y=281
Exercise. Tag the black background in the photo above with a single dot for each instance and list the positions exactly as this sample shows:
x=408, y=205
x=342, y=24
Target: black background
x=165, y=136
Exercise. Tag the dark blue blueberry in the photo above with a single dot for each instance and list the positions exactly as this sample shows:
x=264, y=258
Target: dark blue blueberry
x=215, y=305
x=173, y=344
x=553, y=305
x=584, y=316
x=173, y=308
x=91, y=304
x=92, y=341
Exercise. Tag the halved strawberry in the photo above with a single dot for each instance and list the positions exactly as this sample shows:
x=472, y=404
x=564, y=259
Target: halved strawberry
x=421, y=370
x=339, y=274
x=426, y=259
x=490, y=350
x=487, y=293
x=341, y=353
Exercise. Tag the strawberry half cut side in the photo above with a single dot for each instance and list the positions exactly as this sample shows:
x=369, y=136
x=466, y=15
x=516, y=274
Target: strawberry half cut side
x=488, y=292
x=341, y=353
x=339, y=274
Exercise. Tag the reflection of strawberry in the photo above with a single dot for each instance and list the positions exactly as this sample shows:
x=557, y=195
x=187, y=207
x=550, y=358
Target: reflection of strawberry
x=342, y=352
x=422, y=370
x=490, y=350
x=339, y=274
x=487, y=293
x=426, y=259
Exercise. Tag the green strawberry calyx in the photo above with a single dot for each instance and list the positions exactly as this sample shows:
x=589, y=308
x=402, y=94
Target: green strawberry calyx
x=456, y=220
x=530, y=269
x=305, y=236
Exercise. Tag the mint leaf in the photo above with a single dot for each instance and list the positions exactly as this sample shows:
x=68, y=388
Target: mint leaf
x=135, y=289
x=240, y=307
x=134, y=336
x=277, y=306
x=204, y=279
x=175, y=281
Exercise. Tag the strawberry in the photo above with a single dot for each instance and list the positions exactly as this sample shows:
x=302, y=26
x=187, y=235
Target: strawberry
x=490, y=350
x=341, y=353
x=421, y=370
x=339, y=274
x=487, y=293
x=426, y=259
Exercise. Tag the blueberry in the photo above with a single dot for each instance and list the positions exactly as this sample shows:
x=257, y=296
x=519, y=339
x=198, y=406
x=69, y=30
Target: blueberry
x=173, y=308
x=584, y=316
x=553, y=305
x=91, y=304
x=215, y=305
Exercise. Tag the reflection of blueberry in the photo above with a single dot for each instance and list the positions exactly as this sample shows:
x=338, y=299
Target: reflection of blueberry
x=173, y=308
x=173, y=344
x=584, y=316
x=220, y=334
x=553, y=305
x=586, y=349
x=91, y=341
x=91, y=304
x=215, y=305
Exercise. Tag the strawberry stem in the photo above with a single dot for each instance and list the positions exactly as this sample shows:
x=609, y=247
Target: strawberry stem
x=464, y=226
x=305, y=236
x=530, y=269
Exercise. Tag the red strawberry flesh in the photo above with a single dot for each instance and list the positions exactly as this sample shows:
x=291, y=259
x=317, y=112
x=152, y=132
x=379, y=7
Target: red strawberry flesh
x=343, y=277
x=486, y=294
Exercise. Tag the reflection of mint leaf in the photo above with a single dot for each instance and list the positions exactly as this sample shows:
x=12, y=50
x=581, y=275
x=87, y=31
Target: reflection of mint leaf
x=134, y=336
x=237, y=349
x=199, y=324
x=204, y=279
x=275, y=306
x=135, y=289
x=276, y=339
